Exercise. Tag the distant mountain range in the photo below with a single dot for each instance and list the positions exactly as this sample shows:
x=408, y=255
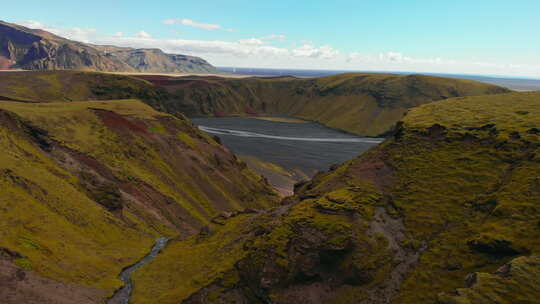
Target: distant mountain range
x=33, y=49
x=513, y=83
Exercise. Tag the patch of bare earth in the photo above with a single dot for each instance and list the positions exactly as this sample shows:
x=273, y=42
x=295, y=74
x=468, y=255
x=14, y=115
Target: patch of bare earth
x=19, y=286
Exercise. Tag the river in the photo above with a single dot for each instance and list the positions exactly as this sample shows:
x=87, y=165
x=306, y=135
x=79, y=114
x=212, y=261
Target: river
x=123, y=295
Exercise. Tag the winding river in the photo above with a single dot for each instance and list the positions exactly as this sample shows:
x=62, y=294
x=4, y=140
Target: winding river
x=123, y=295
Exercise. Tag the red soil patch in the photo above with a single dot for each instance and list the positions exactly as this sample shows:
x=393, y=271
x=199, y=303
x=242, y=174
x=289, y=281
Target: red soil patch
x=5, y=63
x=220, y=114
x=373, y=168
x=249, y=110
x=162, y=206
x=120, y=124
x=93, y=164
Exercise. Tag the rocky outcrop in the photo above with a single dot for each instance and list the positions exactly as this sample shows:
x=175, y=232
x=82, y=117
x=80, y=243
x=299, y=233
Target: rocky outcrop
x=30, y=49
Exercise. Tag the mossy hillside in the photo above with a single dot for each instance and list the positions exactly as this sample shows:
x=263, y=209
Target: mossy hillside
x=466, y=184
x=87, y=186
x=465, y=174
x=516, y=282
x=189, y=265
x=56, y=86
x=275, y=249
x=365, y=104
x=59, y=232
x=141, y=154
x=281, y=119
x=454, y=192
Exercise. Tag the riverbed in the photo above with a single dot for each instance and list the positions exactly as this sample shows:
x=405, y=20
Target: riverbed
x=300, y=148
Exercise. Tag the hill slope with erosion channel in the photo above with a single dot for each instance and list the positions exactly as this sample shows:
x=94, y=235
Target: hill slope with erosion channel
x=364, y=104
x=33, y=49
x=86, y=188
x=445, y=211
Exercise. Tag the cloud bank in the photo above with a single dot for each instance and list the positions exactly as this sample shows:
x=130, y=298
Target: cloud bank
x=189, y=22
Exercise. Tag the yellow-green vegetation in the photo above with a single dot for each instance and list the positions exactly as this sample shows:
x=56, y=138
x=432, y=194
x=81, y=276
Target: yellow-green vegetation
x=516, y=282
x=60, y=110
x=188, y=140
x=76, y=125
x=57, y=86
x=281, y=119
x=59, y=231
x=187, y=266
x=365, y=104
x=455, y=191
x=88, y=186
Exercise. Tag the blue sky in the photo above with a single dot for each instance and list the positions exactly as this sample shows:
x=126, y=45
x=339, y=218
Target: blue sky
x=478, y=37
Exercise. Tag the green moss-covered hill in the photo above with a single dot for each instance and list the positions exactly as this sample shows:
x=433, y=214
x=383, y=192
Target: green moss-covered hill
x=86, y=187
x=56, y=86
x=446, y=211
x=365, y=104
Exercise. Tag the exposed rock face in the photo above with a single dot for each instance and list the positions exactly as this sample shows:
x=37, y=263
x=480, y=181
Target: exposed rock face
x=29, y=49
x=156, y=61
x=453, y=192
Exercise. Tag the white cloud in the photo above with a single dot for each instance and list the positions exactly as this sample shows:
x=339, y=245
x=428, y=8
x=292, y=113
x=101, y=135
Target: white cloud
x=262, y=40
x=391, y=56
x=143, y=35
x=251, y=41
x=189, y=22
x=75, y=33
x=353, y=56
x=32, y=24
x=279, y=37
x=308, y=50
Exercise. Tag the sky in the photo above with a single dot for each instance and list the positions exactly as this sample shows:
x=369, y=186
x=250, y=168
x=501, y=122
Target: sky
x=482, y=37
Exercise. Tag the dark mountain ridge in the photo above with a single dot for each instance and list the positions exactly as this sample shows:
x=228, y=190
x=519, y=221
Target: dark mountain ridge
x=33, y=49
